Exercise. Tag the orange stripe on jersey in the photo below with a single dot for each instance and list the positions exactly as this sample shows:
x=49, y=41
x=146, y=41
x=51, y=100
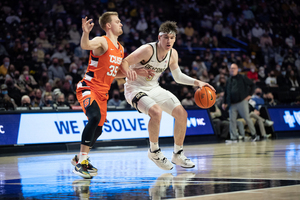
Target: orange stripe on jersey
x=103, y=69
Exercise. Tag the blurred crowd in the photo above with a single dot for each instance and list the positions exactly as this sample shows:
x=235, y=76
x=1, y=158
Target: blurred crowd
x=42, y=61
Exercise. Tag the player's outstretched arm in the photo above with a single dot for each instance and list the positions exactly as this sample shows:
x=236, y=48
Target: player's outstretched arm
x=182, y=78
x=86, y=43
x=143, y=53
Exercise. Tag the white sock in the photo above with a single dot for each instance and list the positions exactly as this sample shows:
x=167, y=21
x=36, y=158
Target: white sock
x=153, y=146
x=177, y=148
x=82, y=156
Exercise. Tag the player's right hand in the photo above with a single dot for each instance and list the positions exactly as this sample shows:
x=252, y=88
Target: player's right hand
x=131, y=75
x=87, y=26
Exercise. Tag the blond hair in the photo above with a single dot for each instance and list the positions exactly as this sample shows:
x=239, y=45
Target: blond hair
x=105, y=18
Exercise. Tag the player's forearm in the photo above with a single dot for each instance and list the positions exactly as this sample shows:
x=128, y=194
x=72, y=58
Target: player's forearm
x=181, y=78
x=120, y=74
x=85, y=41
x=124, y=67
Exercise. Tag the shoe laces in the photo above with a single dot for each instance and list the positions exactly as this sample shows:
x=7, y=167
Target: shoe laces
x=182, y=156
x=160, y=155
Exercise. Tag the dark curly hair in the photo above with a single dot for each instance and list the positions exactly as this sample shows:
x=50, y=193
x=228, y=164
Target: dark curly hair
x=168, y=26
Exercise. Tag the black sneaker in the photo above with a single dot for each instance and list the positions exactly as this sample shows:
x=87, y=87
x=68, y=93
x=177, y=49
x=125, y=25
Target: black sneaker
x=90, y=167
x=81, y=169
x=254, y=138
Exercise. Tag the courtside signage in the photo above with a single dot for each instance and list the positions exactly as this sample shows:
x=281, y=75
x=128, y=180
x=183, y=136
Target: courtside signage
x=285, y=119
x=38, y=128
x=9, y=127
x=198, y=123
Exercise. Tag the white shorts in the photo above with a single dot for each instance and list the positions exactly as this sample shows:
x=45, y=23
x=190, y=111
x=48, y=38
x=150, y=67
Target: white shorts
x=157, y=95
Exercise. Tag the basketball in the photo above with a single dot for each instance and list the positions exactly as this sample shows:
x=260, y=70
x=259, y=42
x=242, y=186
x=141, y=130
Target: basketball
x=205, y=98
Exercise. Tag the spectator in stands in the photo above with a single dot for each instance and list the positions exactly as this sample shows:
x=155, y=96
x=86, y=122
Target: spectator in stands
x=252, y=74
x=74, y=36
x=61, y=101
x=43, y=40
x=28, y=79
x=218, y=27
x=256, y=118
x=11, y=71
x=248, y=14
x=48, y=88
x=115, y=101
x=55, y=70
x=290, y=41
x=48, y=100
x=261, y=75
x=257, y=98
x=188, y=100
x=269, y=99
x=204, y=76
x=206, y=23
x=13, y=91
x=58, y=7
x=257, y=32
x=61, y=54
x=293, y=80
x=206, y=39
x=189, y=30
x=142, y=25
x=73, y=71
x=220, y=124
x=282, y=78
x=4, y=66
x=271, y=80
x=289, y=59
x=198, y=65
x=72, y=101
x=6, y=102
x=37, y=102
x=66, y=87
x=226, y=31
x=25, y=101
x=266, y=45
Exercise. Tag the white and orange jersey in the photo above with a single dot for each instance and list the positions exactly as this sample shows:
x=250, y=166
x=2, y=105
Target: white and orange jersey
x=102, y=69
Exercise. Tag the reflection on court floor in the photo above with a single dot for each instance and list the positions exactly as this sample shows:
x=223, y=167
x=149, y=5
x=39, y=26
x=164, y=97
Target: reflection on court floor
x=236, y=170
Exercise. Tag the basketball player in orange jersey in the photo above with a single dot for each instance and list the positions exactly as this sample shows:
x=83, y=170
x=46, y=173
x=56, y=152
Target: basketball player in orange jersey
x=148, y=97
x=106, y=55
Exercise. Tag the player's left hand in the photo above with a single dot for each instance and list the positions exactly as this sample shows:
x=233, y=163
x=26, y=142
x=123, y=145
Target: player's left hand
x=201, y=84
x=144, y=72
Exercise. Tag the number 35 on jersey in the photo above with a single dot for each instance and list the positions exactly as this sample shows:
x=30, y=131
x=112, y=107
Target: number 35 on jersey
x=114, y=69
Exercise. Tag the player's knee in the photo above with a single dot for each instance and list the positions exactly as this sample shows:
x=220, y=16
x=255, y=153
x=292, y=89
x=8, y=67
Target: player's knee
x=155, y=112
x=179, y=113
x=94, y=118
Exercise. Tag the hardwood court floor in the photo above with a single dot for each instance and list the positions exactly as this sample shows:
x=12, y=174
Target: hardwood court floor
x=245, y=171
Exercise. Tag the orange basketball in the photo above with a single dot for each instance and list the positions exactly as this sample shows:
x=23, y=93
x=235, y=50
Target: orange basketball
x=205, y=98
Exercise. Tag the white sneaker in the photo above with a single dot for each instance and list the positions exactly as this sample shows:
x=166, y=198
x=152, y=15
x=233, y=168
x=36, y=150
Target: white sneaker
x=268, y=123
x=181, y=160
x=160, y=160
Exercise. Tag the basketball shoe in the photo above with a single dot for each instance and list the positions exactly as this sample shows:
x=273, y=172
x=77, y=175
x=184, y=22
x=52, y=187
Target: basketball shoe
x=180, y=159
x=160, y=160
x=81, y=169
x=90, y=167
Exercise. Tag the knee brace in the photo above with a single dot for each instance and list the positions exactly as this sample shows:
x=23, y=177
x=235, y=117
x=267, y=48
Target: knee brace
x=94, y=116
